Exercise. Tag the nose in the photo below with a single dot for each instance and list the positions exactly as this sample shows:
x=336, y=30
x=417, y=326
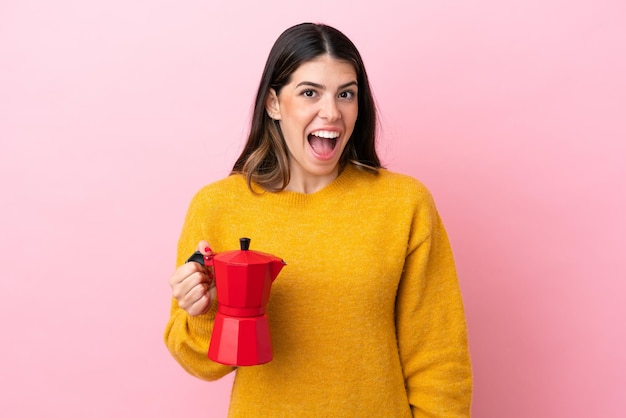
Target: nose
x=329, y=109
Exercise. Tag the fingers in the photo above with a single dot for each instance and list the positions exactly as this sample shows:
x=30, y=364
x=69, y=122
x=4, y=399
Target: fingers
x=191, y=287
x=197, y=301
x=188, y=276
x=192, y=284
x=184, y=271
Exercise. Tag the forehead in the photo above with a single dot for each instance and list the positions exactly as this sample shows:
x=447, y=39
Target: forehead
x=327, y=68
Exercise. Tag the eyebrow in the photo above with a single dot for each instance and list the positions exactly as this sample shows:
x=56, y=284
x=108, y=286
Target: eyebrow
x=320, y=86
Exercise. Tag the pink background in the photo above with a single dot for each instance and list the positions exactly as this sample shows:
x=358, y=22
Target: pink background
x=113, y=113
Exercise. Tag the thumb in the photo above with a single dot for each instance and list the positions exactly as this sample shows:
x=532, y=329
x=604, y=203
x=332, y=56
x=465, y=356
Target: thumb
x=204, y=248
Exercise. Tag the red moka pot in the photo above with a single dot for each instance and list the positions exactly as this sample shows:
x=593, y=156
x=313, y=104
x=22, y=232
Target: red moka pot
x=241, y=335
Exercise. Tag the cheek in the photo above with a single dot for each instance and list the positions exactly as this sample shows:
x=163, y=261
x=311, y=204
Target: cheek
x=297, y=120
x=351, y=114
x=352, y=121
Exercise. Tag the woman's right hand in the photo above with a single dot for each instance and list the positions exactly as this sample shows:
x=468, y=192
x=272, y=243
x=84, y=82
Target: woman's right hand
x=193, y=285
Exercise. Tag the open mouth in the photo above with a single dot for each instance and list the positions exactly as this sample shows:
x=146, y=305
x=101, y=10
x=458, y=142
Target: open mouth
x=323, y=143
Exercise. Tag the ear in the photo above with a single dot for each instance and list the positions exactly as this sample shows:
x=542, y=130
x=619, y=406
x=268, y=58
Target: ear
x=272, y=107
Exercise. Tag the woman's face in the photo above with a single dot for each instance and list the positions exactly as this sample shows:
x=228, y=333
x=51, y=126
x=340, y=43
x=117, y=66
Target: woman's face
x=317, y=111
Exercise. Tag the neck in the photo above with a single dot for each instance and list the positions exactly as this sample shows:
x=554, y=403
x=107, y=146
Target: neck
x=310, y=184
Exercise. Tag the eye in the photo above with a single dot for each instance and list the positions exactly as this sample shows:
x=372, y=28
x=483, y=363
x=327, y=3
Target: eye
x=348, y=94
x=308, y=93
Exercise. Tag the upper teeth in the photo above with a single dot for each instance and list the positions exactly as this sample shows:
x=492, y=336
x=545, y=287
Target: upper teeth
x=326, y=134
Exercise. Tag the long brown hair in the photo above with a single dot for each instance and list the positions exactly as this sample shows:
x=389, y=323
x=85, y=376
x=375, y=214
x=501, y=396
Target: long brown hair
x=264, y=159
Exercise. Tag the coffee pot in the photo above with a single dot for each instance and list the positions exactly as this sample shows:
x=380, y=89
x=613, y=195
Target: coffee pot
x=241, y=335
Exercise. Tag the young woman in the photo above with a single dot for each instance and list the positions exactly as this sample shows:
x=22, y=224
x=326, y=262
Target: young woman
x=367, y=318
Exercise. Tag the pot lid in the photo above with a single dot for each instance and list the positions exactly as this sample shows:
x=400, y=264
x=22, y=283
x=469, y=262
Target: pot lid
x=244, y=256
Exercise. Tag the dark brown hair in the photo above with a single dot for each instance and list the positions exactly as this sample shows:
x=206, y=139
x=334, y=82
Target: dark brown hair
x=264, y=159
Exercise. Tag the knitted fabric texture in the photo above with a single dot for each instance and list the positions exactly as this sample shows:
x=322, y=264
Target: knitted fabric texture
x=366, y=319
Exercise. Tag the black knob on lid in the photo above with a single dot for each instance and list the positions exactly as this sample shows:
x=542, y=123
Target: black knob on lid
x=244, y=243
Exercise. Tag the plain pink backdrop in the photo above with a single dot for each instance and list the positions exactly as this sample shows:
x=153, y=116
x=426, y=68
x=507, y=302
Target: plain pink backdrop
x=112, y=114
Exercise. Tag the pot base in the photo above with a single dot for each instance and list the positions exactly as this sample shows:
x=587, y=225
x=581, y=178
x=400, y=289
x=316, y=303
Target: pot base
x=238, y=341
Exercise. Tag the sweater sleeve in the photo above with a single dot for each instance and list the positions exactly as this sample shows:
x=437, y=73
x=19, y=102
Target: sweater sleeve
x=187, y=337
x=430, y=321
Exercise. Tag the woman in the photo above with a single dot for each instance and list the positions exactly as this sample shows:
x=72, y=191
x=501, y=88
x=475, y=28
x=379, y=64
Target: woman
x=367, y=317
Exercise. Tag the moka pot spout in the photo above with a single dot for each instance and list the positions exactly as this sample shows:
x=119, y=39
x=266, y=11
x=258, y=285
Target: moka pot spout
x=275, y=268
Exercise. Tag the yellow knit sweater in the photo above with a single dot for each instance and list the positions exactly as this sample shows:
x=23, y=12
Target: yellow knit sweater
x=366, y=319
